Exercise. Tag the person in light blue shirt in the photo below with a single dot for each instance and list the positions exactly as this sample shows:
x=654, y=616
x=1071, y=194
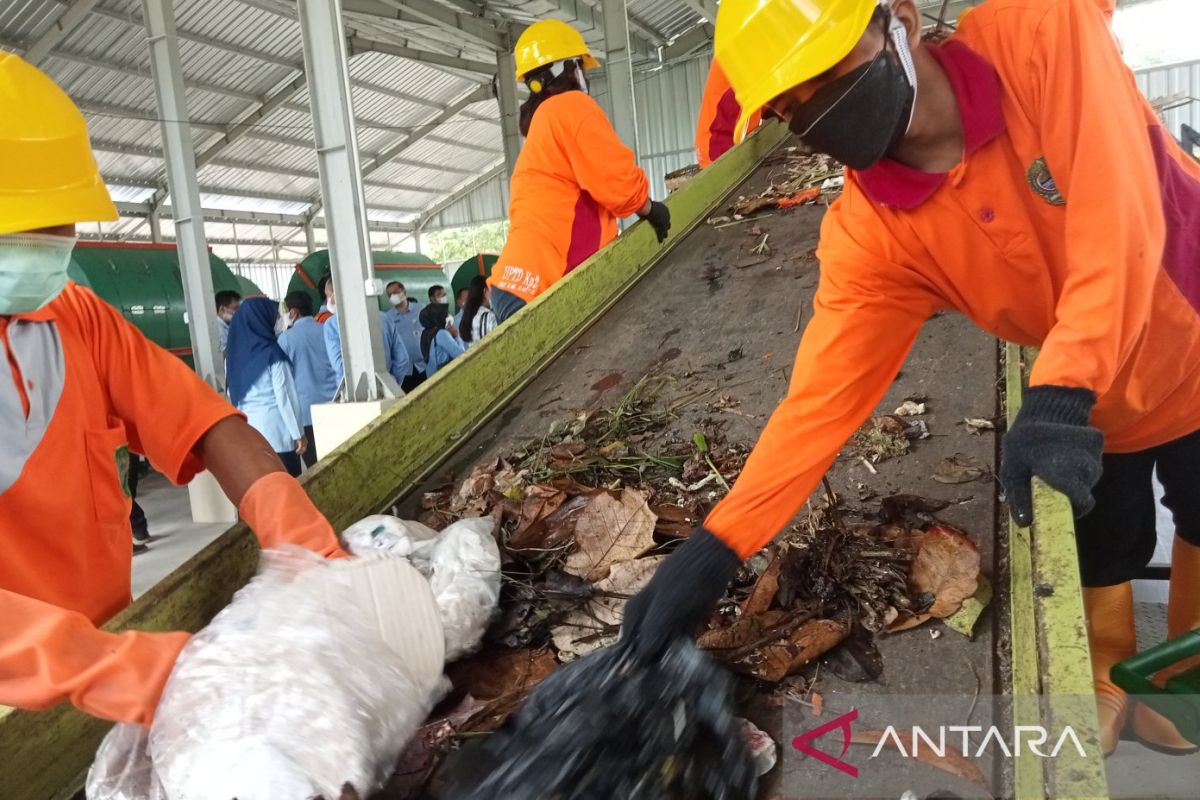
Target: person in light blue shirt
x=260, y=380
x=398, y=365
x=304, y=345
x=439, y=344
x=227, y=303
x=404, y=316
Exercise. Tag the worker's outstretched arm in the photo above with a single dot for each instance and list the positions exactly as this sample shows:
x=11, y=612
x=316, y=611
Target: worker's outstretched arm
x=183, y=427
x=1100, y=151
x=853, y=348
x=48, y=655
x=271, y=501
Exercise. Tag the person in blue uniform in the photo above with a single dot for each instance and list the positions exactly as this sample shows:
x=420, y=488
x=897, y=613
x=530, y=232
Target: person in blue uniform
x=304, y=344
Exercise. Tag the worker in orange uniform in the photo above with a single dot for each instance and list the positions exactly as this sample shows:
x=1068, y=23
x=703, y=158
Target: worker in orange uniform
x=719, y=113
x=82, y=389
x=1016, y=175
x=574, y=178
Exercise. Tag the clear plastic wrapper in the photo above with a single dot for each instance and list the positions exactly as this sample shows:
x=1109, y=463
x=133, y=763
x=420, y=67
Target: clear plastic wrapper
x=312, y=679
x=122, y=769
x=462, y=563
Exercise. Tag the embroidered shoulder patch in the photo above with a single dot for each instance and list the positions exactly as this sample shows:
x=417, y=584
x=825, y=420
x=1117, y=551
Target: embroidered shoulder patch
x=1042, y=182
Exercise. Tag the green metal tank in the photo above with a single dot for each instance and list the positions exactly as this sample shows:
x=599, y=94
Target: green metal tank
x=142, y=281
x=478, y=264
x=414, y=270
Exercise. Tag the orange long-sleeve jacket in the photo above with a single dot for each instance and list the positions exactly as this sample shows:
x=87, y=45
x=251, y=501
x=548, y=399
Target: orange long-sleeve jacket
x=719, y=112
x=82, y=386
x=573, y=180
x=1072, y=223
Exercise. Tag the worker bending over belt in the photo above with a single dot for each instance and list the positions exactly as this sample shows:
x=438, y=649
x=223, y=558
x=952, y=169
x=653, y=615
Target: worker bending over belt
x=1016, y=175
x=82, y=388
x=719, y=113
x=574, y=178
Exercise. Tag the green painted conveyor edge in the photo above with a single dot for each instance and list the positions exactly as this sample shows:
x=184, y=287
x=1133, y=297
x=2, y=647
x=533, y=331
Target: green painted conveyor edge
x=45, y=756
x=1064, y=669
x=1028, y=780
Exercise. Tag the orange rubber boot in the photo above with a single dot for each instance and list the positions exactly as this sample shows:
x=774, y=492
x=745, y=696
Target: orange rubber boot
x=1111, y=638
x=1183, y=614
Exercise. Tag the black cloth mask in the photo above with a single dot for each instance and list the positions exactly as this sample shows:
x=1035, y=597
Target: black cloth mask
x=860, y=116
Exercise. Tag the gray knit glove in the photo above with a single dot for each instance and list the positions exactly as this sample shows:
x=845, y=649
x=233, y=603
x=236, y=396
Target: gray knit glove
x=1051, y=438
x=681, y=595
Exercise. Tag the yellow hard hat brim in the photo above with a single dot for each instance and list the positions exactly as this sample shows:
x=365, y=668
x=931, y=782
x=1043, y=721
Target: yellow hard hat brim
x=36, y=210
x=590, y=61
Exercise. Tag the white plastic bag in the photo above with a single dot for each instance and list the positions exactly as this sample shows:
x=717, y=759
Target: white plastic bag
x=314, y=677
x=122, y=769
x=462, y=563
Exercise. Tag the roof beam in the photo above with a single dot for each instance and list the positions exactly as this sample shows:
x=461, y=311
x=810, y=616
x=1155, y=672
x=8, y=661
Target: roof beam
x=644, y=43
x=422, y=131
x=431, y=13
x=70, y=19
x=688, y=43
x=460, y=192
x=133, y=71
x=475, y=69
x=703, y=8
x=256, y=218
x=236, y=131
x=253, y=166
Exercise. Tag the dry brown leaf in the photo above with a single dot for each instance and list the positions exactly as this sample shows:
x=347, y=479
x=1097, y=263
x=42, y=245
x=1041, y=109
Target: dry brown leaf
x=609, y=531
x=745, y=631
x=953, y=762
x=959, y=468
x=674, y=522
x=766, y=647
x=946, y=566
x=811, y=640
x=539, y=503
x=765, y=589
x=596, y=624
x=495, y=673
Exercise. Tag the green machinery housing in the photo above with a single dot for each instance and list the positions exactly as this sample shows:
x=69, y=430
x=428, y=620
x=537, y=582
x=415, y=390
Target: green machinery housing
x=414, y=270
x=143, y=282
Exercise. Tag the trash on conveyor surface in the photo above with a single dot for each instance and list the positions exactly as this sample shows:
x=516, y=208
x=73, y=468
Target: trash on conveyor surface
x=797, y=179
x=586, y=511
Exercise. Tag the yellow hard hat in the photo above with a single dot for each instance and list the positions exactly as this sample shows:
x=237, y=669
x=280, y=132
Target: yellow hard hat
x=49, y=176
x=548, y=41
x=769, y=46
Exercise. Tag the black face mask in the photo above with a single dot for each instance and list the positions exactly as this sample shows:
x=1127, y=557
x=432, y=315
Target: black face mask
x=860, y=116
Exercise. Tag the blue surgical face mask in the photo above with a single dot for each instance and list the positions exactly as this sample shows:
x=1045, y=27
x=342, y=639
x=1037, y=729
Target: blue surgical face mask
x=33, y=270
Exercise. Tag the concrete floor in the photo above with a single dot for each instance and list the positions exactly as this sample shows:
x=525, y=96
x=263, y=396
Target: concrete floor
x=175, y=537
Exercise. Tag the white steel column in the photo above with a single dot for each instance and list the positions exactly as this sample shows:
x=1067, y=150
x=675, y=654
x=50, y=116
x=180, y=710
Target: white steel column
x=506, y=95
x=310, y=237
x=155, y=219
x=180, y=159
x=619, y=69
x=343, y=201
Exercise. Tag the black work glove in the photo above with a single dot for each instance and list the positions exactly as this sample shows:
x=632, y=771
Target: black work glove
x=659, y=218
x=681, y=595
x=1051, y=438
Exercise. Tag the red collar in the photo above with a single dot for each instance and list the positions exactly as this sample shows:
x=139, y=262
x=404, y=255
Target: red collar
x=977, y=88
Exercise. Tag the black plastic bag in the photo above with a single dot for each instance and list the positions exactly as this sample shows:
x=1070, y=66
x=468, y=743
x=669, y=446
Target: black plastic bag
x=609, y=727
